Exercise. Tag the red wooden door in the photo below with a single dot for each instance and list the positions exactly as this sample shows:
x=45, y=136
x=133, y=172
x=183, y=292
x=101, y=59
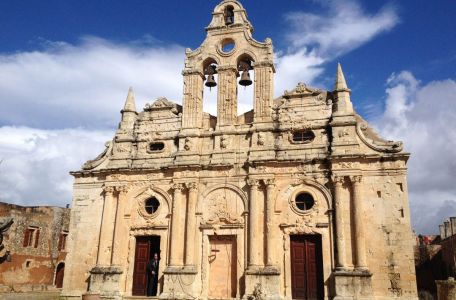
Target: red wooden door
x=142, y=256
x=306, y=267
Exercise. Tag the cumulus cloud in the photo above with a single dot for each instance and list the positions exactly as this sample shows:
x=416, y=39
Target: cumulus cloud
x=65, y=85
x=35, y=163
x=315, y=39
x=424, y=117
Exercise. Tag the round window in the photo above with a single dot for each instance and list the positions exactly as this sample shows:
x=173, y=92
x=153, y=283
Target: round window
x=304, y=201
x=152, y=205
x=228, y=45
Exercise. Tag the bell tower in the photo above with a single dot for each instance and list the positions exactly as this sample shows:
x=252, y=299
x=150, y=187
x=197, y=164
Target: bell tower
x=229, y=51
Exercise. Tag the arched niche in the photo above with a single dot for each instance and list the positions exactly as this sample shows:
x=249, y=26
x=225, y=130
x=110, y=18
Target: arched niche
x=143, y=194
x=320, y=193
x=224, y=203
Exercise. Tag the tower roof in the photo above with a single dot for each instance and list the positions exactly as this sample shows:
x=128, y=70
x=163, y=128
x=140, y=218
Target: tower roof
x=130, y=105
x=340, y=83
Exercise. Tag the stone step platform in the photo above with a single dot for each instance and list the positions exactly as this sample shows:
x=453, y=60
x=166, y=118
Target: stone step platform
x=31, y=296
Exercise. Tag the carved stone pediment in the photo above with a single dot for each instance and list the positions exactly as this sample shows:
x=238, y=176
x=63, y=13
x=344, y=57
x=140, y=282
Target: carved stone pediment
x=162, y=104
x=303, y=90
x=219, y=213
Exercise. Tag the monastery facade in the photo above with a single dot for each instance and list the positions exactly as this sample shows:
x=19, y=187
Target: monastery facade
x=296, y=199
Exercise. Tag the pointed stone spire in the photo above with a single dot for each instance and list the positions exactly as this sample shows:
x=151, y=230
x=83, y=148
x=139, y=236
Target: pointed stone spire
x=340, y=84
x=130, y=105
x=343, y=104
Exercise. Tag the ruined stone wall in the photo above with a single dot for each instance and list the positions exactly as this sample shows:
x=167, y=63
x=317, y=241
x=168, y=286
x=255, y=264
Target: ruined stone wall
x=32, y=267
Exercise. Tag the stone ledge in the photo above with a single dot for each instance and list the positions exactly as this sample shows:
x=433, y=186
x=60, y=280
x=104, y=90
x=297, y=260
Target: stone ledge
x=353, y=273
x=180, y=270
x=268, y=270
x=106, y=270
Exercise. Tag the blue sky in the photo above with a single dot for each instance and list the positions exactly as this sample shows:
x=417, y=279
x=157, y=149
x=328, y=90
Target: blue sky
x=65, y=68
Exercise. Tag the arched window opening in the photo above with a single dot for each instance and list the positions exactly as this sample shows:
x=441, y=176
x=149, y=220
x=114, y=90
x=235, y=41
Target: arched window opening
x=210, y=86
x=229, y=15
x=244, y=66
x=245, y=95
x=151, y=206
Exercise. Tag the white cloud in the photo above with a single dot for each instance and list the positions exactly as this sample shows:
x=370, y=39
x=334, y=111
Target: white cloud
x=85, y=85
x=424, y=117
x=344, y=27
x=35, y=163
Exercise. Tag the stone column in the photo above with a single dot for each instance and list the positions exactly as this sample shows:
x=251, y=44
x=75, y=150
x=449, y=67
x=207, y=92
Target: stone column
x=176, y=247
x=340, y=224
x=264, y=72
x=227, y=96
x=120, y=229
x=360, y=253
x=269, y=216
x=191, y=220
x=107, y=227
x=254, y=229
x=192, y=108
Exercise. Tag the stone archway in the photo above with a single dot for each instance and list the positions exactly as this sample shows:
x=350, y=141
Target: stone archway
x=59, y=274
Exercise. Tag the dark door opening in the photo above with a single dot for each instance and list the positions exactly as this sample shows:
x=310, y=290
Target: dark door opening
x=143, y=283
x=59, y=273
x=306, y=267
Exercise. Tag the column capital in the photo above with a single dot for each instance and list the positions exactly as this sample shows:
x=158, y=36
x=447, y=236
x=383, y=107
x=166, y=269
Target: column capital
x=178, y=187
x=253, y=182
x=356, y=179
x=270, y=182
x=338, y=179
x=123, y=189
x=188, y=72
x=109, y=189
x=192, y=186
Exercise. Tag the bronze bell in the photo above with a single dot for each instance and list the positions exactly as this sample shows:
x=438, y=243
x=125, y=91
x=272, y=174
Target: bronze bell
x=210, y=82
x=245, y=79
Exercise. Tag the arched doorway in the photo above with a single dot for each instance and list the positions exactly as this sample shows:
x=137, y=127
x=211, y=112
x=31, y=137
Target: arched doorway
x=59, y=273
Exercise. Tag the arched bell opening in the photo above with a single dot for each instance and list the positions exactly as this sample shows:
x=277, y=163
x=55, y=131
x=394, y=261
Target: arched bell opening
x=245, y=81
x=210, y=67
x=228, y=15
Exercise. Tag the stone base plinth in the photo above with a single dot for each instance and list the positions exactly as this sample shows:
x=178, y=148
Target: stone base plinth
x=179, y=282
x=104, y=280
x=262, y=283
x=350, y=285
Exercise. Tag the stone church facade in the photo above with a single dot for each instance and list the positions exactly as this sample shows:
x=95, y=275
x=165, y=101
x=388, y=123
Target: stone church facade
x=296, y=199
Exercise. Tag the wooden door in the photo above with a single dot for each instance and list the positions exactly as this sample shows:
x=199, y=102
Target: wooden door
x=306, y=267
x=222, y=267
x=59, y=273
x=142, y=256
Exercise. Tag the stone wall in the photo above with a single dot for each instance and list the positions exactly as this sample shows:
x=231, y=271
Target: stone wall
x=32, y=267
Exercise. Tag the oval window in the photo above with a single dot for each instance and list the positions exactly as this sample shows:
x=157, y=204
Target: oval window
x=151, y=205
x=228, y=45
x=304, y=201
x=154, y=147
x=303, y=136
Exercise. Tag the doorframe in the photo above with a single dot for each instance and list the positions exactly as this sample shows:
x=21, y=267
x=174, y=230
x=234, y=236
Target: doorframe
x=162, y=232
x=237, y=231
x=326, y=252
